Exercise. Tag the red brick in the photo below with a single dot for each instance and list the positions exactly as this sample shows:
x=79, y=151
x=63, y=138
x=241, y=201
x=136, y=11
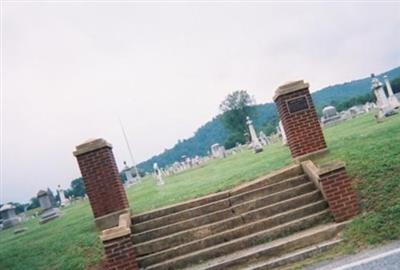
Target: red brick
x=302, y=129
x=340, y=195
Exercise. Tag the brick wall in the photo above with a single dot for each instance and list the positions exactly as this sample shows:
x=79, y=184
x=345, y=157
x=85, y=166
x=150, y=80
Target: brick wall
x=120, y=254
x=341, y=197
x=303, y=131
x=103, y=186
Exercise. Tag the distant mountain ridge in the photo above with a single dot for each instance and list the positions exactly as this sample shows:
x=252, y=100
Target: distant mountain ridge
x=214, y=132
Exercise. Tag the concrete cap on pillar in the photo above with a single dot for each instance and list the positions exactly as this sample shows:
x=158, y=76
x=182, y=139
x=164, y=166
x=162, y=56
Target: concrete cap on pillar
x=91, y=145
x=290, y=87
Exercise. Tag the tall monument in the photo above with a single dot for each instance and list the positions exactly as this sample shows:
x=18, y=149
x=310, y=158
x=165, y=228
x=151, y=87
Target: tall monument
x=393, y=101
x=255, y=142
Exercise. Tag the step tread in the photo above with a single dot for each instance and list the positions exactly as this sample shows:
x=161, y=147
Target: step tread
x=237, y=240
x=265, y=246
x=142, y=232
x=294, y=256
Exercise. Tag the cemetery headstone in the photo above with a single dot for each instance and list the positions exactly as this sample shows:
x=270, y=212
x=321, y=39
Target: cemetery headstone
x=158, y=174
x=282, y=133
x=130, y=180
x=217, y=151
x=63, y=200
x=330, y=115
x=49, y=212
x=393, y=101
x=7, y=213
x=255, y=142
x=382, y=102
x=263, y=138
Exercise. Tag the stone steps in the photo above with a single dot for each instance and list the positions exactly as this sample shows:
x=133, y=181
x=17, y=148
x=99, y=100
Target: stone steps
x=283, y=174
x=275, y=253
x=223, y=230
x=218, y=205
x=234, y=245
x=160, y=227
x=269, y=213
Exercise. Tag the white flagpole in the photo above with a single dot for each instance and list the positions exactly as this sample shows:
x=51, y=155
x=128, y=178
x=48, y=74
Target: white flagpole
x=129, y=149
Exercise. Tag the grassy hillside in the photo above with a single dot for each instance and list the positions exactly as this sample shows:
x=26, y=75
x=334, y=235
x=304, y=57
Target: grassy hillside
x=371, y=151
x=266, y=118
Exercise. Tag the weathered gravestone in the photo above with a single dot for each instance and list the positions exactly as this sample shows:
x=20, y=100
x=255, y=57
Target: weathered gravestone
x=330, y=115
x=218, y=151
x=281, y=132
x=7, y=213
x=384, y=106
x=158, y=175
x=63, y=200
x=255, y=142
x=393, y=101
x=49, y=212
x=130, y=180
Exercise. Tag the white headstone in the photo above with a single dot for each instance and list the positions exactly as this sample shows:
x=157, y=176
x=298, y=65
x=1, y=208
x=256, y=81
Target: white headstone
x=393, y=101
x=282, y=132
x=255, y=142
x=217, y=151
x=329, y=115
x=158, y=174
x=384, y=107
x=61, y=194
x=263, y=138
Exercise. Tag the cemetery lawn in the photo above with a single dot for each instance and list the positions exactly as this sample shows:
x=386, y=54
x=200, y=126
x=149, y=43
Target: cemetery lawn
x=370, y=150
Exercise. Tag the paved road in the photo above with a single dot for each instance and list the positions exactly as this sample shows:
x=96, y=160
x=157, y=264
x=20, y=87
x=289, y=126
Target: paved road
x=383, y=258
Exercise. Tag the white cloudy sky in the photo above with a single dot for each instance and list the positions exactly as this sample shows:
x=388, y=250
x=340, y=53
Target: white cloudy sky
x=69, y=70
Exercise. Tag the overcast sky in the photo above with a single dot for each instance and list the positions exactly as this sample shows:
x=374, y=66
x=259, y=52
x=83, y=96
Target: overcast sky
x=69, y=71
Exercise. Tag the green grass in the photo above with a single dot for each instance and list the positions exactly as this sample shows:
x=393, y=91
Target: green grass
x=372, y=154
x=217, y=175
x=69, y=242
x=370, y=150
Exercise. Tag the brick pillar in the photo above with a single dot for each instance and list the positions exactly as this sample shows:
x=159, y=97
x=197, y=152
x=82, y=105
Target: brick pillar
x=339, y=193
x=103, y=186
x=299, y=119
x=120, y=254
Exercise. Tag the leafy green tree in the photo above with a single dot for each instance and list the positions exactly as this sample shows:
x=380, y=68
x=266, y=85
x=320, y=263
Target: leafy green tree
x=77, y=188
x=235, y=108
x=233, y=139
x=395, y=83
x=34, y=203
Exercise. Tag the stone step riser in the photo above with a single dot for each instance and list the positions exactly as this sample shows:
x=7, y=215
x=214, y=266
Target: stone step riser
x=218, y=205
x=142, y=236
x=275, y=251
x=183, y=215
x=262, y=192
x=297, y=256
x=229, y=247
x=286, y=205
x=179, y=207
x=273, y=198
x=275, y=177
x=223, y=233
